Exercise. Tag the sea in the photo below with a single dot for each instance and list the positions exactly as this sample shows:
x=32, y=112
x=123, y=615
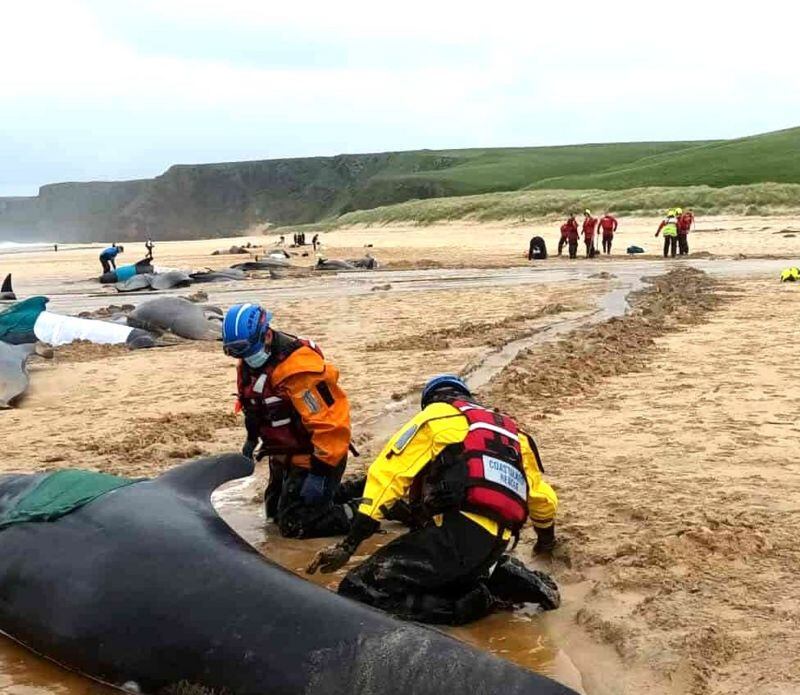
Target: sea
x=23, y=246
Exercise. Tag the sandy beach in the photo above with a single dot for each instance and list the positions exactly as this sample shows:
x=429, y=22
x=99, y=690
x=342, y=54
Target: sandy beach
x=669, y=434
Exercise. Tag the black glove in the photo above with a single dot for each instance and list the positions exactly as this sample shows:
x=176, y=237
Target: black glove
x=249, y=448
x=336, y=556
x=330, y=559
x=545, y=540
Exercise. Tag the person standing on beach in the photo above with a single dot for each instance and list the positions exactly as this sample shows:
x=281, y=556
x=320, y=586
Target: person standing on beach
x=669, y=225
x=685, y=222
x=573, y=237
x=566, y=228
x=149, y=246
x=589, y=226
x=608, y=225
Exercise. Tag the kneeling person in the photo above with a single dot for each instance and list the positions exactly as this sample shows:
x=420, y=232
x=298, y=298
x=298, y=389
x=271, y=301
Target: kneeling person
x=476, y=479
x=294, y=406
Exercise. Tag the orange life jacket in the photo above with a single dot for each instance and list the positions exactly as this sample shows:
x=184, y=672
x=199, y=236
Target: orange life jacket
x=279, y=424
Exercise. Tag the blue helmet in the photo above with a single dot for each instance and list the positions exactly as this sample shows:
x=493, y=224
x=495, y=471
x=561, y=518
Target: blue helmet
x=443, y=381
x=243, y=329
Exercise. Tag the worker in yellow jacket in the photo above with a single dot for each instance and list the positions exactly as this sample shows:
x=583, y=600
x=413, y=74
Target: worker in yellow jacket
x=475, y=479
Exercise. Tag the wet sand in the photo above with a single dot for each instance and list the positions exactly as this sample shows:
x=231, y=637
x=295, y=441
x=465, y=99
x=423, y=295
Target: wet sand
x=670, y=530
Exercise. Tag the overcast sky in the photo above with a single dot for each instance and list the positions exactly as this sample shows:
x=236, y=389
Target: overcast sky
x=108, y=89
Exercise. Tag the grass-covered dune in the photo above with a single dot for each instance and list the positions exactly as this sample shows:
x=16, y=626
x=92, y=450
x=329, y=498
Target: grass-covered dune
x=755, y=199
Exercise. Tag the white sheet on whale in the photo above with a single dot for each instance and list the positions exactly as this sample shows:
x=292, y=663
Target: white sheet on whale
x=56, y=329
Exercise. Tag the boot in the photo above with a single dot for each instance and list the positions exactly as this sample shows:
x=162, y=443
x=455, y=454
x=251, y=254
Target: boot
x=515, y=583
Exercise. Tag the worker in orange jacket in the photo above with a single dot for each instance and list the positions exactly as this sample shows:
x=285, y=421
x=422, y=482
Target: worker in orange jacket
x=293, y=405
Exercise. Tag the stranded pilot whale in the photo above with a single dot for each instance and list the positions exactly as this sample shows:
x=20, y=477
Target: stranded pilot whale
x=148, y=585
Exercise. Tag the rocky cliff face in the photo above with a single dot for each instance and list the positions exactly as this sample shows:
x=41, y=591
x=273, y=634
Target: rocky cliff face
x=212, y=199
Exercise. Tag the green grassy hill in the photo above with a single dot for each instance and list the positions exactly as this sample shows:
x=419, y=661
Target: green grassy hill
x=466, y=172
x=206, y=200
x=773, y=157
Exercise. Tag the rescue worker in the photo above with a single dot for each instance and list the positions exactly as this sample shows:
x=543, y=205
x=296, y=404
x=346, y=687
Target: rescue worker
x=588, y=230
x=294, y=406
x=474, y=479
x=669, y=225
x=566, y=230
x=108, y=258
x=149, y=246
x=685, y=222
x=573, y=236
x=608, y=225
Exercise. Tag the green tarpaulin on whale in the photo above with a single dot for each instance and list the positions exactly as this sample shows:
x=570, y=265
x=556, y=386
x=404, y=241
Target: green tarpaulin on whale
x=60, y=493
x=17, y=321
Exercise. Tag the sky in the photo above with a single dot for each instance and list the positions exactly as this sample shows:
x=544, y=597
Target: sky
x=110, y=89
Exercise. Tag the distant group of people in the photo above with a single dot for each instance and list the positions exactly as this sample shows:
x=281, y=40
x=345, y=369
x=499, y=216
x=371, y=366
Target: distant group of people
x=299, y=239
x=571, y=234
x=675, y=230
x=674, y=227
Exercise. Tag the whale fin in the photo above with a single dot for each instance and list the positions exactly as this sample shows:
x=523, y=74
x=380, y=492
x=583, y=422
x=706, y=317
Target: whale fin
x=7, y=284
x=199, y=478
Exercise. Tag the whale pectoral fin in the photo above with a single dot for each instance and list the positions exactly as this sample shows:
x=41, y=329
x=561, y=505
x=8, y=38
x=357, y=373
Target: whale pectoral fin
x=199, y=478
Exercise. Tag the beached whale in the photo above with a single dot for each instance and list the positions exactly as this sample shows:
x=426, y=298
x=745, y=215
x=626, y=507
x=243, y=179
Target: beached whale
x=154, y=281
x=264, y=264
x=223, y=275
x=126, y=272
x=333, y=264
x=179, y=316
x=13, y=372
x=146, y=586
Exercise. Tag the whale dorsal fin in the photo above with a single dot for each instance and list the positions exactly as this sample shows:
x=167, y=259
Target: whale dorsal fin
x=199, y=478
x=6, y=284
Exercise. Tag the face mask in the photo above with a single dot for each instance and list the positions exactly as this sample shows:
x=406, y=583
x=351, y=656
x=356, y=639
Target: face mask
x=257, y=360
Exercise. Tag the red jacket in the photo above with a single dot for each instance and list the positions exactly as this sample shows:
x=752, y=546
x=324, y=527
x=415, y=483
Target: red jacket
x=569, y=230
x=685, y=222
x=608, y=224
x=589, y=225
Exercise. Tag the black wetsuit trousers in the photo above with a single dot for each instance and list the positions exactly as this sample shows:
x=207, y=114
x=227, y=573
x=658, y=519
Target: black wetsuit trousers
x=436, y=574
x=670, y=246
x=573, y=249
x=607, y=244
x=562, y=242
x=106, y=265
x=683, y=244
x=295, y=517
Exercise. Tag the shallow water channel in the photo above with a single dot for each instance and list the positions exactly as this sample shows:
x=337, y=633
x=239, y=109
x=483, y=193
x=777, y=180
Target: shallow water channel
x=524, y=636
